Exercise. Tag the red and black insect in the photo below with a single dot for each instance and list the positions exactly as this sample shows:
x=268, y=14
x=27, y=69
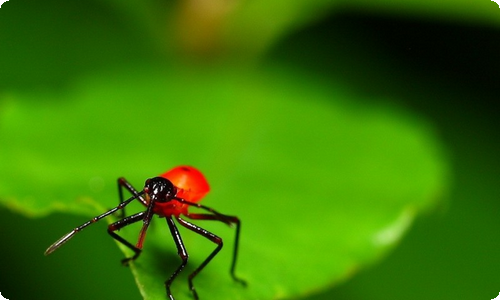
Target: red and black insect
x=168, y=196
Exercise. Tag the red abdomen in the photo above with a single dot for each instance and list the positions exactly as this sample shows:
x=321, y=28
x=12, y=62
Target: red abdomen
x=190, y=182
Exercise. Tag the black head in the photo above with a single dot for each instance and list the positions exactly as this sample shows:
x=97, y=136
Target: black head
x=160, y=189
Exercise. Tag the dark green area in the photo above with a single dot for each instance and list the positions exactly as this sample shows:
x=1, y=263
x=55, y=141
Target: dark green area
x=448, y=73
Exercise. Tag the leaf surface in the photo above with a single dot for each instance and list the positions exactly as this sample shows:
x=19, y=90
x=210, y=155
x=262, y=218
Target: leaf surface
x=323, y=182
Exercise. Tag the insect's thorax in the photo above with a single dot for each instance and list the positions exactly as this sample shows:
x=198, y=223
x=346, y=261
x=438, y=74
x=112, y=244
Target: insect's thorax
x=169, y=208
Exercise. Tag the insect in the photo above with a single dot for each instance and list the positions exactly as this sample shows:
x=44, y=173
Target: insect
x=169, y=196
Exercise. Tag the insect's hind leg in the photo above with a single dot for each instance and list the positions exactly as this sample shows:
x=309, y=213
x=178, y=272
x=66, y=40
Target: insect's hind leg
x=228, y=220
x=120, y=224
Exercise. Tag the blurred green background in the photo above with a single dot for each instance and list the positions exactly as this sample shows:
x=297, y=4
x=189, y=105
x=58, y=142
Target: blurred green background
x=438, y=62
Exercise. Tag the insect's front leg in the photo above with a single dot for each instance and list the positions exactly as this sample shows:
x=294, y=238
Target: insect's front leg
x=123, y=183
x=120, y=224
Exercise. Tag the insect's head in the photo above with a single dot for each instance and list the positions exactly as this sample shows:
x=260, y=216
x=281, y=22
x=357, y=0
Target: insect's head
x=159, y=189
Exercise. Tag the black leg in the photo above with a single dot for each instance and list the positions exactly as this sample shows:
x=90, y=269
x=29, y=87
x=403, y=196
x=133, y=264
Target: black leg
x=212, y=237
x=228, y=220
x=69, y=235
x=213, y=211
x=123, y=183
x=181, y=250
x=120, y=224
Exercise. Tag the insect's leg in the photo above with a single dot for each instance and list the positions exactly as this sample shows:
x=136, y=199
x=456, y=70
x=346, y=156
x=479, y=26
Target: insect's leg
x=120, y=224
x=212, y=237
x=181, y=250
x=123, y=183
x=228, y=220
x=69, y=235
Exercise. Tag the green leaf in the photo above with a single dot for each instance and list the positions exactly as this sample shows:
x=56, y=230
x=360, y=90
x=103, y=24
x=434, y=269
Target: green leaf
x=323, y=182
